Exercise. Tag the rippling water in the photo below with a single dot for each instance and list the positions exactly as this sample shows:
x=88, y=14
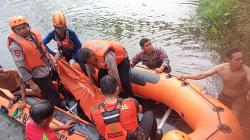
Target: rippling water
x=125, y=21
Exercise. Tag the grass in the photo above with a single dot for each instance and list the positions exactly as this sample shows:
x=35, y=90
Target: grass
x=222, y=24
x=215, y=16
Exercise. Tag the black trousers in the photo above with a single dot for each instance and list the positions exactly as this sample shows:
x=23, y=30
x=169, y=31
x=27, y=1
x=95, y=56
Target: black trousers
x=148, y=124
x=123, y=70
x=49, y=92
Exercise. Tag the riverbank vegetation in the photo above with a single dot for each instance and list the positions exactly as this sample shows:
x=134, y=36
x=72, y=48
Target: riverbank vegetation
x=224, y=23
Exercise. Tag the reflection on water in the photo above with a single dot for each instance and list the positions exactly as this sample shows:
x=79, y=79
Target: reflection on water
x=125, y=21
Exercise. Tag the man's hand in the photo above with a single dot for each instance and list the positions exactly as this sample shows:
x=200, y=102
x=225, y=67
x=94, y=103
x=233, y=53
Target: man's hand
x=182, y=78
x=72, y=61
x=10, y=104
x=34, y=87
x=131, y=64
x=68, y=125
x=57, y=55
x=159, y=70
x=22, y=105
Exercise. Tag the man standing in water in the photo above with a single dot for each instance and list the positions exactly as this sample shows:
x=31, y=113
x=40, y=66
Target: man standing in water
x=236, y=80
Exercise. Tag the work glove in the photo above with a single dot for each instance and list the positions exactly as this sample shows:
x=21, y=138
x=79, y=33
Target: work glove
x=57, y=56
x=72, y=61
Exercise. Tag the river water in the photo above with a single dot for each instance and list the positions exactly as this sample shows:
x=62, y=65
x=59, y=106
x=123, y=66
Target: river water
x=125, y=21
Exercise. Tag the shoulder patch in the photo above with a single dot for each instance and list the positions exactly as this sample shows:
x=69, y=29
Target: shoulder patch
x=17, y=53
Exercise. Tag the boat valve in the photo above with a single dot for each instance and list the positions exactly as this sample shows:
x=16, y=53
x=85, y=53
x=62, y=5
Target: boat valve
x=217, y=109
x=224, y=128
x=168, y=76
x=184, y=83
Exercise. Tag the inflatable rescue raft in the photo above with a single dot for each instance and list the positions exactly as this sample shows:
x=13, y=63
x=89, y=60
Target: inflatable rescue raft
x=208, y=118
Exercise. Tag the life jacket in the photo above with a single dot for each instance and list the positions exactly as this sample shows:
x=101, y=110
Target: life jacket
x=100, y=47
x=113, y=127
x=32, y=56
x=66, y=42
x=66, y=46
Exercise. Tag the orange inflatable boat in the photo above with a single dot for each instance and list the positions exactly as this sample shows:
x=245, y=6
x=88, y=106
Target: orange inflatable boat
x=205, y=115
x=208, y=118
x=82, y=130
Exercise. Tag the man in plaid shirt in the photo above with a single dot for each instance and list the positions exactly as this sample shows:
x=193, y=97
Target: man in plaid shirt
x=153, y=57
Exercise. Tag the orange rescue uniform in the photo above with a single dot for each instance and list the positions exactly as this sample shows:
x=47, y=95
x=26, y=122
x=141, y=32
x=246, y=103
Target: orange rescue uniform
x=128, y=116
x=100, y=47
x=29, y=49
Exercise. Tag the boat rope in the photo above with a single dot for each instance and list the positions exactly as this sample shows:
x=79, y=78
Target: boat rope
x=215, y=108
x=188, y=84
x=212, y=134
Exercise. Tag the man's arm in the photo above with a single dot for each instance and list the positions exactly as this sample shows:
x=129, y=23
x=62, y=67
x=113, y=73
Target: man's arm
x=18, y=56
x=66, y=126
x=90, y=72
x=136, y=59
x=138, y=106
x=112, y=66
x=21, y=84
x=47, y=39
x=163, y=56
x=77, y=42
x=248, y=82
x=203, y=74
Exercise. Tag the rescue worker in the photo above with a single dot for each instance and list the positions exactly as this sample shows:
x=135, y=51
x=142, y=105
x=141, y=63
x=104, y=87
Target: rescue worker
x=37, y=127
x=66, y=39
x=116, y=118
x=153, y=57
x=32, y=60
x=109, y=57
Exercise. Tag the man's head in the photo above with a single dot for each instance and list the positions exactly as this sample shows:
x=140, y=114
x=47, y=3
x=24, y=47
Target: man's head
x=42, y=112
x=19, y=25
x=109, y=86
x=146, y=45
x=87, y=56
x=59, y=22
x=235, y=58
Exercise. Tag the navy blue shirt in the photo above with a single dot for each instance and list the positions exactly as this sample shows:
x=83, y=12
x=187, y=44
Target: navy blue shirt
x=72, y=36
